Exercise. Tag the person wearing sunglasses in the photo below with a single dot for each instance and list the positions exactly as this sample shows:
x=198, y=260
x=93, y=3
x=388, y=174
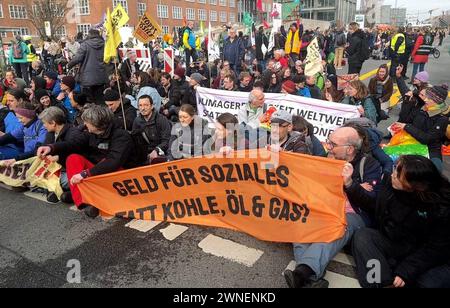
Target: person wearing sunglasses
x=411, y=242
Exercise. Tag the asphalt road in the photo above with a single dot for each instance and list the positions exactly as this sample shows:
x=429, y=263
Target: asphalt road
x=39, y=240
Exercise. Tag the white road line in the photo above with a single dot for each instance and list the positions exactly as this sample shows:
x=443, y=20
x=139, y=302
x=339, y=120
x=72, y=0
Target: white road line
x=2, y=185
x=37, y=196
x=345, y=258
x=173, y=231
x=227, y=249
x=291, y=266
x=340, y=281
x=142, y=225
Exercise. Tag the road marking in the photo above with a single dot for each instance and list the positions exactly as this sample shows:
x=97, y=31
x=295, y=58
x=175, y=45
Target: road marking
x=338, y=281
x=142, y=225
x=345, y=258
x=2, y=185
x=371, y=73
x=37, y=196
x=227, y=249
x=291, y=266
x=173, y=231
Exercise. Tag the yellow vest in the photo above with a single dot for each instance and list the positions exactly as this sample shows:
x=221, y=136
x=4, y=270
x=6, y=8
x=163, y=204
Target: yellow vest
x=402, y=48
x=31, y=57
x=295, y=46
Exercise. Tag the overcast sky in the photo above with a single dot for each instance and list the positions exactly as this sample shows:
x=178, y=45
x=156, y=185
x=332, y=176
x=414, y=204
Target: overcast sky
x=422, y=5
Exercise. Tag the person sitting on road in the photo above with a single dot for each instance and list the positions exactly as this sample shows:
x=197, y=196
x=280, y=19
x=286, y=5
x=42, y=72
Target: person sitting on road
x=313, y=259
x=63, y=138
x=307, y=129
x=284, y=138
x=412, y=238
x=358, y=95
x=189, y=136
x=313, y=88
x=151, y=132
x=381, y=87
x=24, y=139
x=113, y=101
x=252, y=113
x=105, y=149
x=429, y=126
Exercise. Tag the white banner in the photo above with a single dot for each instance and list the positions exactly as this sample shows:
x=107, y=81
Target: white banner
x=325, y=116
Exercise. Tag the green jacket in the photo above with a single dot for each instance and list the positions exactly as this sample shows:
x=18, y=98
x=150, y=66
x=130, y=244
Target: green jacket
x=24, y=59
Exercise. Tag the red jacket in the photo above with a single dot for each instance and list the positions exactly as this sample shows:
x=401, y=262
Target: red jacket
x=418, y=58
x=284, y=62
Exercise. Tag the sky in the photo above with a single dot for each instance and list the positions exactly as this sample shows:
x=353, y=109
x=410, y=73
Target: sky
x=421, y=5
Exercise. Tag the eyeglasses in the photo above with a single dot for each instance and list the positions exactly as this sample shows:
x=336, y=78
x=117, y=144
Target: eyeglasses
x=331, y=145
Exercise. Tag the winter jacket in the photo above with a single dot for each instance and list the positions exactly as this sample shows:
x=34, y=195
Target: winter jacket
x=109, y=151
x=25, y=52
x=31, y=136
x=304, y=92
x=260, y=40
x=126, y=69
x=417, y=58
x=190, y=98
x=382, y=90
x=315, y=91
x=340, y=40
x=355, y=48
x=152, y=134
x=423, y=227
x=153, y=93
x=130, y=115
x=233, y=52
x=10, y=121
x=191, y=141
x=430, y=130
x=296, y=143
x=90, y=57
x=68, y=141
x=369, y=107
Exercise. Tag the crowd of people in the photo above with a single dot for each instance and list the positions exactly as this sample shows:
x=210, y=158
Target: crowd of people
x=101, y=121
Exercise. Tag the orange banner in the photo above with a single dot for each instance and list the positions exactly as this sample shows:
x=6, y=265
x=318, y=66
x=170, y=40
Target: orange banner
x=298, y=199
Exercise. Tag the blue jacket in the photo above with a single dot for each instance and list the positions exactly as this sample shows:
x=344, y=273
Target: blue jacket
x=304, y=92
x=233, y=52
x=32, y=136
x=72, y=113
x=12, y=123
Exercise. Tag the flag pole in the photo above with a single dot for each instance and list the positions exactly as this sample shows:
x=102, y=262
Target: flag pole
x=120, y=92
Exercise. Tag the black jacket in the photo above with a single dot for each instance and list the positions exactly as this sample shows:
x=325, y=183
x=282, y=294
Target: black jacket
x=354, y=50
x=151, y=134
x=190, y=98
x=69, y=141
x=424, y=227
x=108, y=152
x=315, y=91
x=90, y=58
x=187, y=142
x=260, y=40
x=430, y=131
x=130, y=115
x=125, y=69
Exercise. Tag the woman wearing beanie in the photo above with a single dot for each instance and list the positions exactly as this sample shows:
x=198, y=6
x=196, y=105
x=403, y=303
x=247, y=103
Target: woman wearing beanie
x=43, y=100
x=429, y=126
x=29, y=137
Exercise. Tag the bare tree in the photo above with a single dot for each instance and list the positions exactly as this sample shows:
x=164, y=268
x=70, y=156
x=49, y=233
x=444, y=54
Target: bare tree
x=53, y=11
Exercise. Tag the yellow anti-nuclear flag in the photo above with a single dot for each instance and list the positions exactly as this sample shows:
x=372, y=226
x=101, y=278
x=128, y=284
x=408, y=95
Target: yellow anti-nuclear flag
x=147, y=29
x=114, y=21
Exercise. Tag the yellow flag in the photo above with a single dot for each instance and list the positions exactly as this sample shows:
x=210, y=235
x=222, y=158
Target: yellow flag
x=113, y=39
x=119, y=17
x=147, y=29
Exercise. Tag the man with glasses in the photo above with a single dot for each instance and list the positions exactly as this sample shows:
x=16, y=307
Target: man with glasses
x=312, y=259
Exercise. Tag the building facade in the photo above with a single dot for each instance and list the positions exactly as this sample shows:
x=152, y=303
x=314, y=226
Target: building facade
x=333, y=11
x=170, y=14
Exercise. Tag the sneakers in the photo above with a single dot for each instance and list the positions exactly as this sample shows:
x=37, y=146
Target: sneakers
x=66, y=197
x=293, y=280
x=91, y=211
x=52, y=198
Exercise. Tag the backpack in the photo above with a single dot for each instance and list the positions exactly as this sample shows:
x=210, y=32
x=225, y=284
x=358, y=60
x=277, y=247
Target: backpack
x=364, y=53
x=341, y=40
x=18, y=51
x=381, y=114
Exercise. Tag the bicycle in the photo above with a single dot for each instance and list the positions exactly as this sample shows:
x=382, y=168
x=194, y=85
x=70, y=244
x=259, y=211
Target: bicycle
x=436, y=53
